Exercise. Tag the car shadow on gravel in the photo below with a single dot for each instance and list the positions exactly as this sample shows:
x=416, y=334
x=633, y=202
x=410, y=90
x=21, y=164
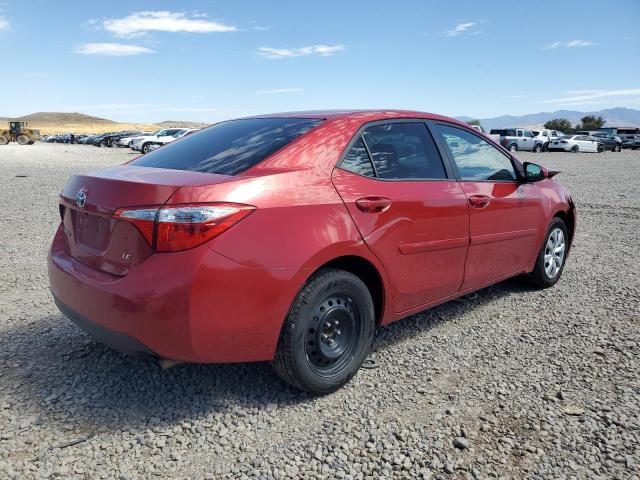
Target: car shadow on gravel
x=66, y=377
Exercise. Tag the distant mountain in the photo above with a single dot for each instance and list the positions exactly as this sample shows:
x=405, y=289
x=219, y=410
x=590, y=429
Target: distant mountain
x=615, y=117
x=59, y=118
x=180, y=124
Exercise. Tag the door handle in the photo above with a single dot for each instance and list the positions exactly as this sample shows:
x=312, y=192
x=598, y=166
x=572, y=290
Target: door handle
x=479, y=201
x=373, y=204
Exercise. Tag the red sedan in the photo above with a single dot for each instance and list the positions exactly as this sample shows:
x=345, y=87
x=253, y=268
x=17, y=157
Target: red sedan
x=288, y=238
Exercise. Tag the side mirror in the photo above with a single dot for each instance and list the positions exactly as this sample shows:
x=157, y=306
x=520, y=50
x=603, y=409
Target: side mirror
x=534, y=172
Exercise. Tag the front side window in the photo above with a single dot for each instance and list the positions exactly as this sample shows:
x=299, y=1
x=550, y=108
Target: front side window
x=476, y=158
x=403, y=150
x=229, y=148
x=528, y=134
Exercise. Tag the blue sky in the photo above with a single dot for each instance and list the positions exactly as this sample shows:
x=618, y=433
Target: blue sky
x=208, y=60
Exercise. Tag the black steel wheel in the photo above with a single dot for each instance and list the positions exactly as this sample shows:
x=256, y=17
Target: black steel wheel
x=327, y=334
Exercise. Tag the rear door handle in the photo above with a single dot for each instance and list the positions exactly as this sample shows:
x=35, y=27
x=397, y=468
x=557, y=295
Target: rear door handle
x=479, y=201
x=373, y=204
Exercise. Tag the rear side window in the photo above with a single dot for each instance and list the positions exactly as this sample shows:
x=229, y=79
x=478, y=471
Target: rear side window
x=403, y=150
x=228, y=148
x=357, y=160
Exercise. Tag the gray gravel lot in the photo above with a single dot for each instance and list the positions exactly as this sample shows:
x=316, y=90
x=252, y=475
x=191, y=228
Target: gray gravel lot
x=516, y=383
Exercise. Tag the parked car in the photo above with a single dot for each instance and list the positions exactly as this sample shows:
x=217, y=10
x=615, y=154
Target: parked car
x=126, y=141
x=576, y=143
x=631, y=141
x=154, y=145
x=112, y=139
x=610, y=142
x=514, y=139
x=546, y=136
x=144, y=144
x=288, y=238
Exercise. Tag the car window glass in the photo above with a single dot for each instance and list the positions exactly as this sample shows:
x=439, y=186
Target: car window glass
x=519, y=133
x=528, y=134
x=403, y=150
x=357, y=160
x=476, y=158
x=228, y=148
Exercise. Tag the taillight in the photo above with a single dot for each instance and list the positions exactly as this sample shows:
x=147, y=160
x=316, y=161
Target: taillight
x=181, y=227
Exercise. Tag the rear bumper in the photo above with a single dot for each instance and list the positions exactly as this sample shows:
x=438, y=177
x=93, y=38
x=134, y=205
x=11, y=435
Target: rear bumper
x=111, y=338
x=191, y=306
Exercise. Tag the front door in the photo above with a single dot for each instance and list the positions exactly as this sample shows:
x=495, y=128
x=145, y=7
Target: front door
x=504, y=212
x=410, y=212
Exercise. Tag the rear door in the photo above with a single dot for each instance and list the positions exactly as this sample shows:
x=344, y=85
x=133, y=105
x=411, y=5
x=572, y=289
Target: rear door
x=409, y=209
x=504, y=213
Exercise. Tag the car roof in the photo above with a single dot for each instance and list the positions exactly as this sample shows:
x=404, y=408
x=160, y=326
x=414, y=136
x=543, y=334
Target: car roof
x=364, y=114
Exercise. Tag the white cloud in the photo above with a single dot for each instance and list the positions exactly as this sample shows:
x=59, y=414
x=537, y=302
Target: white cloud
x=322, y=50
x=591, y=96
x=111, y=49
x=571, y=44
x=279, y=90
x=141, y=23
x=459, y=29
x=4, y=24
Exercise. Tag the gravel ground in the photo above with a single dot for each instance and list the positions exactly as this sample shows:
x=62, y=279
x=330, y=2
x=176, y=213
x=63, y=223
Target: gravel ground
x=516, y=383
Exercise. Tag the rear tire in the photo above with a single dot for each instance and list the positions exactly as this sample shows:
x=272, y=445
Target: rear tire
x=327, y=334
x=601, y=149
x=513, y=147
x=4, y=140
x=146, y=148
x=23, y=140
x=552, y=256
x=617, y=148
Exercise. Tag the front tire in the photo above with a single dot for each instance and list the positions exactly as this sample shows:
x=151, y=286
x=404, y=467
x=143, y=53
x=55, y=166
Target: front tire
x=552, y=256
x=575, y=149
x=146, y=148
x=4, y=140
x=23, y=140
x=537, y=148
x=617, y=148
x=327, y=334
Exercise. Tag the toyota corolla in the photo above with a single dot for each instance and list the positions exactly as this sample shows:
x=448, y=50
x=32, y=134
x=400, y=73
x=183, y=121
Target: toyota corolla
x=289, y=238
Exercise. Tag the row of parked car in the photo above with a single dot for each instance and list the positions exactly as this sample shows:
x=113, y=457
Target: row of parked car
x=135, y=139
x=515, y=139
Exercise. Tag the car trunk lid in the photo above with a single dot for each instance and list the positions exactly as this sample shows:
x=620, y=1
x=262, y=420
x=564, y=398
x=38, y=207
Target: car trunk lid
x=88, y=203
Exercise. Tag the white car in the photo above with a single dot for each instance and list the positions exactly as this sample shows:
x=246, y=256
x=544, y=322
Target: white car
x=576, y=143
x=126, y=141
x=154, y=145
x=546, y=136
x=143, y=144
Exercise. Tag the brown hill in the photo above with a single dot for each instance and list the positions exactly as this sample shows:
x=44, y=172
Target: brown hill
x=63, y=118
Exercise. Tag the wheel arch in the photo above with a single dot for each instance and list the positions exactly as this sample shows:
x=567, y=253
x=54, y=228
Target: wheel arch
x=569, y=219
x=366, y=271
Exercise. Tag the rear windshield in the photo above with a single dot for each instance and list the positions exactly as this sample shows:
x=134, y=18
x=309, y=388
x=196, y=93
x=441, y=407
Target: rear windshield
x=228, y=148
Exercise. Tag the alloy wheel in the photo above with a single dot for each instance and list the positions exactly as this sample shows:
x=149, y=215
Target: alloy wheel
x=554, y=253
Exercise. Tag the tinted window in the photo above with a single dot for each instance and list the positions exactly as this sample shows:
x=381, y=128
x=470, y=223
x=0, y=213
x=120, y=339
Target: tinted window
x=528, y=134
x=357, y=160
x=228, y=148
x=404, y=150
x=476, y=158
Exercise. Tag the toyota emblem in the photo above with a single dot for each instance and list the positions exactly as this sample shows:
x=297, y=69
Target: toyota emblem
x=81, y=199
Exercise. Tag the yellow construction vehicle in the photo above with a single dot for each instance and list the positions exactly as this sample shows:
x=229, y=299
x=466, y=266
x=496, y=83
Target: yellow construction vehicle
x=18, y=132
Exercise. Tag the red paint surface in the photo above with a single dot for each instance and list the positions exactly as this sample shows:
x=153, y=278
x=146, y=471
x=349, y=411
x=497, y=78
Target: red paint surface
x=226, y=300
